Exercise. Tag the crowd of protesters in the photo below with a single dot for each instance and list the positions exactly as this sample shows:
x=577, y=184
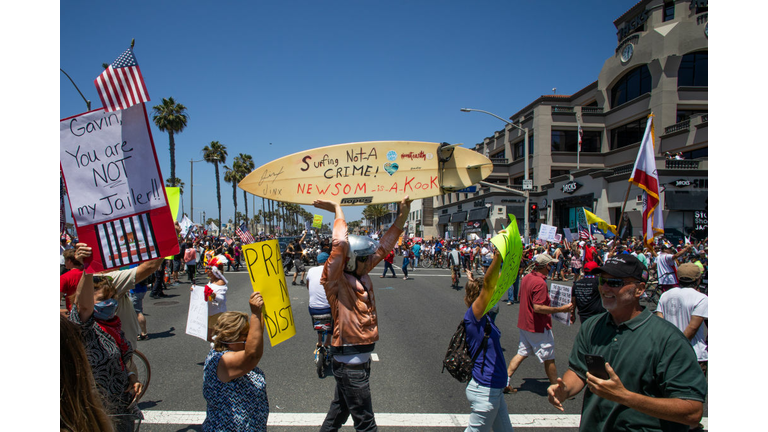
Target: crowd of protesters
x=609, y=278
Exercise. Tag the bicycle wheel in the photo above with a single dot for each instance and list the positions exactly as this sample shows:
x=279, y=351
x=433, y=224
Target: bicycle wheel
x=426, y=263
x=320, y=361
x=143, y=373
x=445, y=264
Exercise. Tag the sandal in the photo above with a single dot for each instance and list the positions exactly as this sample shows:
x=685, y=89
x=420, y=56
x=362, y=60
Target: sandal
x=142, y=337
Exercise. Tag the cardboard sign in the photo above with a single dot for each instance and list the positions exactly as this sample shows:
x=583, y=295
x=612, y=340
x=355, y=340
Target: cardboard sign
x=560, y=296
x=318, y=221
x=547, y=232
x=115, y=188
x=511, y=250
x=568, y=235
x=197, y=318
x=265, y=267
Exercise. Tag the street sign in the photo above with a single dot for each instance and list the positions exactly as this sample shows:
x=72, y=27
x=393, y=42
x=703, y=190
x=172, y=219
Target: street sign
x=468, y=189
x=527, y=184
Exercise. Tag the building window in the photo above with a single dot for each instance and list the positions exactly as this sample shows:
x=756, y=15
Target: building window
x=628, y=134
x=556, y=173
x=499, y=156
x=634, y=84
x=568, y=141
x=683, y=115
x=695, y=154
x=519, y=147
x=669, y=11
x=693, y=70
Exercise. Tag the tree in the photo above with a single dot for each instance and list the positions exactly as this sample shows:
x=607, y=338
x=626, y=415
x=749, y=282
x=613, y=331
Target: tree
x=170, y=117
x=175, y=182
x=375, y=212
x=245, y=167
x=231, y=175
x=216, y=153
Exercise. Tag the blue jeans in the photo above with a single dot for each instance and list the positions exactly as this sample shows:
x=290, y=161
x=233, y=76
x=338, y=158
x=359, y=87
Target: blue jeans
x=512, y=291
x=489, y=409
x=405, y=266
x=352, y=396
x=388, y=266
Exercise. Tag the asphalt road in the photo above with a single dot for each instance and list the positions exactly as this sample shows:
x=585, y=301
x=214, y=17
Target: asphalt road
x=416, y=320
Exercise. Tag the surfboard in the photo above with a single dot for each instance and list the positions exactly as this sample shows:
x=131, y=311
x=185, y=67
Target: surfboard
x=372, y=172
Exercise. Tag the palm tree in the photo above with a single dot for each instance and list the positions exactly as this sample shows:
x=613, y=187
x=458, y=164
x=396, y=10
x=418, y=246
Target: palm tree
x=245, y=167
x=170, y=117
x=175, y=182
x=375, y=212
x=214, y=153
x=231, y=175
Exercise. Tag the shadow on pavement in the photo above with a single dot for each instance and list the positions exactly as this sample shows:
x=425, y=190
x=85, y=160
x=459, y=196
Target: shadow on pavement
x=535, y=385
x=161, y=335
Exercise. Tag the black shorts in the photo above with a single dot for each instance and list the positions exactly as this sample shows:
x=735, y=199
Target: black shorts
x=299, y=265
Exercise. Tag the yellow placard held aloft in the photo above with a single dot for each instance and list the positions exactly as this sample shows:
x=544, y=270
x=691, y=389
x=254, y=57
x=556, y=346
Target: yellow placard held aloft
x=265, y=267
x=511, y=250
x=174, y=199
x=318, y=222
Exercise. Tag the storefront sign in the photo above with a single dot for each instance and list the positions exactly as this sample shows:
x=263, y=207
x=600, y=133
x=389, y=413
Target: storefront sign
x=571, y=187
x=681, y=183
x=633, y=25
x=479, y=203
x=700, y=220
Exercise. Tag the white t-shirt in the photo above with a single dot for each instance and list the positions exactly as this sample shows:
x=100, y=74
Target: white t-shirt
x=678, y=306
x=317, y=299
x=219, y=304
x=666, y=269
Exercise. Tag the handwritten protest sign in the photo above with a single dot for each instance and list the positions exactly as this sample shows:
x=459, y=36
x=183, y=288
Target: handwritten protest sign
x=318, y=221
x=265, y=267
x=115, y=187
x=568, y=235
x=197, y=318
x=547, y=232
x=560, y=296
x=511, y=250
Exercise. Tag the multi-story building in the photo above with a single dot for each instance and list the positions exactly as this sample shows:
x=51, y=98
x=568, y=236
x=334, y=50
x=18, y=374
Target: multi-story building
x=659, y=66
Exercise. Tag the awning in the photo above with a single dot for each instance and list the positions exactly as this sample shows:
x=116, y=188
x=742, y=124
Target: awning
x=686, y=200
x=478, y=213
x=443, y=219
x=459, y=217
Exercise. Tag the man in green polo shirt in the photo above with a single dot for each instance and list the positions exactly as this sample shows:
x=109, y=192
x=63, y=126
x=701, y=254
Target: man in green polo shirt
x=654, y=382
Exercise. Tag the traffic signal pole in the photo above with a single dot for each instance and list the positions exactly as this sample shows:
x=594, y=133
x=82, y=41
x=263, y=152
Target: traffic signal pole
x=526, y=216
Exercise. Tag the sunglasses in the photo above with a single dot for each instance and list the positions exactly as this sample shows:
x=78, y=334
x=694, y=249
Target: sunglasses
x=99, y=279
x=362, y=258
x=612, y=282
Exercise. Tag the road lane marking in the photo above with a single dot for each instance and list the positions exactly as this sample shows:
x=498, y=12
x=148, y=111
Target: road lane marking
x=382, y=419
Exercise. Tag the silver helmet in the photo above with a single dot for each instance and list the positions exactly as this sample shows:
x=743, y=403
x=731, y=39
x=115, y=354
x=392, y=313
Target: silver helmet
x=360, y=248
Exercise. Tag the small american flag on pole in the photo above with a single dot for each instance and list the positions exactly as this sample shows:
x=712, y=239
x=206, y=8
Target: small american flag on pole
x=121, y=85
x=244, y=234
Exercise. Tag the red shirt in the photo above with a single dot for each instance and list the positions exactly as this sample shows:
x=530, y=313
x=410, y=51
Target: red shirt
x=68, y=284
x=533, y=290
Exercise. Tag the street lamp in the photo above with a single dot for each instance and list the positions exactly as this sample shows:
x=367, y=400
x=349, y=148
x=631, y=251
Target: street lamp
x=525, y=192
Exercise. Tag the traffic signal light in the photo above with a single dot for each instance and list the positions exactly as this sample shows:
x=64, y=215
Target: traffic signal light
x=533, y=215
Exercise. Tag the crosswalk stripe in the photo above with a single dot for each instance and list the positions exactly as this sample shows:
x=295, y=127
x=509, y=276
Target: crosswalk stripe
x=382, y=419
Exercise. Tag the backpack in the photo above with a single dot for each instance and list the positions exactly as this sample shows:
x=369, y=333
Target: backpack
x=457, y=360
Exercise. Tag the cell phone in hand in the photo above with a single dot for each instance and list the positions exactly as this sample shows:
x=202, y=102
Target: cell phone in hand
x=596, y=366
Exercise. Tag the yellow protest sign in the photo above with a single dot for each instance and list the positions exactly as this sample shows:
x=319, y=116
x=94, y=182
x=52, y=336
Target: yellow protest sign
x=265, y=267
x=174, y=199
x=511, y=250
x=318, y=222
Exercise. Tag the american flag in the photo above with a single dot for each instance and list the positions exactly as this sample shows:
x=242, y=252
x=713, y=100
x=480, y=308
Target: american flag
x=121, y=85
x=244, y=234
x=584, y=233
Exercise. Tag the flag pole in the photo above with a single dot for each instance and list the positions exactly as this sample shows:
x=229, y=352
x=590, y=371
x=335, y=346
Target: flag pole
x=623, y=206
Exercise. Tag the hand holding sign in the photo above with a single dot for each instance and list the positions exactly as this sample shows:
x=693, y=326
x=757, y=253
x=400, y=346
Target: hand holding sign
x=265, y=266
x=511, y=250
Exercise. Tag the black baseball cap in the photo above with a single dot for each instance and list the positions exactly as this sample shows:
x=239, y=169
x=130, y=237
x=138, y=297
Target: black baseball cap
x=624, y=265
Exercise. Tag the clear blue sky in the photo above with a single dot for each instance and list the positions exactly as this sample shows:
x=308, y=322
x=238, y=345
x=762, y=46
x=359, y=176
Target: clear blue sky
x=273, y=78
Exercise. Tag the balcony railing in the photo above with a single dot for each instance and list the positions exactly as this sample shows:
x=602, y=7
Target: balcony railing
x=562, y=109
x=683, y=125
x=681, y=164
x=624, y=169
x=591, y=110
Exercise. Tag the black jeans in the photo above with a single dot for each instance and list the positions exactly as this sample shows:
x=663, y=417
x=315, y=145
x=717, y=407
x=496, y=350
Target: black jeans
x=388, y=266
x=352, y=396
